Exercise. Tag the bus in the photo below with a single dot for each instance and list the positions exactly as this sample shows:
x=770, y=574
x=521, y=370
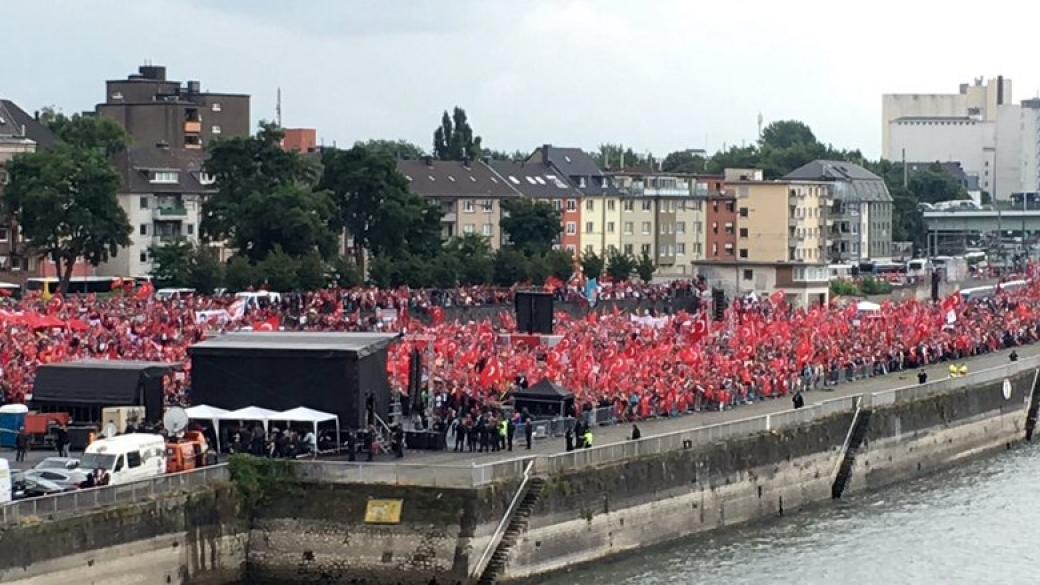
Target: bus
x=77, y=284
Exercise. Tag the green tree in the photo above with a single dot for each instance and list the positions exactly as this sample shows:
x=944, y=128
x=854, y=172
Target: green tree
x=560, y=264
x=592, y=265
x=473, y=254
x=311, y=272
x=244, y=168
x=383, y=271
x=537, y=270
x=682, y=161
x=291, y=218
x=345, y=272
x=240, y=274
x=645, y=267
x=509, y=267
x=620, y=267
x=278, y=271
x=736, y=157
x=532, y=226
x=395, y=149
x=444, y=271
x=89, y=132
x=787, y=133
x=374, y=203
x=515, y=156
x=935, y=184
x=206, y=273
x=64, y=200
x=617, y=156
x=171, y=264
x=454, y=138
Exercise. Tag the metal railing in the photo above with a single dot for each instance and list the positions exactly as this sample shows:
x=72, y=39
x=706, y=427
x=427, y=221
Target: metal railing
x=496, y=538
x=80, y=501
x=456, y=476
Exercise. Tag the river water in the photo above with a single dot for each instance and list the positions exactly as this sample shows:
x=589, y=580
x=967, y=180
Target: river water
x=977, y=523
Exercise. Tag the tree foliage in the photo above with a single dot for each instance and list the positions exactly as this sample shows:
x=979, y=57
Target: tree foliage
x=88, y=132
x=532, y=226
x=560, y=264
x=240, y=274
x=508, y=267
x=375, y=204
x=473, y=254
x=592, y=265
x=454, y=138
x=682, y=161
x=620, y=266
x=618, y=156
x=645, y=267
x=395, y=149
x=291, y=218
x=64, y=200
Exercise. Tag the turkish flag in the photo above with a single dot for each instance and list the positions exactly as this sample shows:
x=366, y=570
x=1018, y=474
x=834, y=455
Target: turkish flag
x=491, y=374
x=146, y=291
x=272, y=324
x=951, y=302
x=437, y=315
x=701, y=328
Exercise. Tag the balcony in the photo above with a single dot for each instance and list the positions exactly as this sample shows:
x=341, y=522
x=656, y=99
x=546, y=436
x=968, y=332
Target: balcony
x=163, y=239
x=169, y=213
x=192, y=127
x=448, y=217
x=792, y=221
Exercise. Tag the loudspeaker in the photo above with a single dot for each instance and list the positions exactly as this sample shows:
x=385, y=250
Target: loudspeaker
x=935, y=286
x=718, y=301
x=534, y=312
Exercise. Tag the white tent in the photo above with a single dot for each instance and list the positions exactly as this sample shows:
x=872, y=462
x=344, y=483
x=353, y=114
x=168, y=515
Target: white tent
x=308, y=415
x=210, y=413
x=868, y=307
x=253, y=413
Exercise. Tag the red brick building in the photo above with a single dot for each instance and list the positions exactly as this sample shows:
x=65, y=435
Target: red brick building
x=300, y=140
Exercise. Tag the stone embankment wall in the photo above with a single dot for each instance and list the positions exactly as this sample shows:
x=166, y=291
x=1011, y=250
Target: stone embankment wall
x=196, y=538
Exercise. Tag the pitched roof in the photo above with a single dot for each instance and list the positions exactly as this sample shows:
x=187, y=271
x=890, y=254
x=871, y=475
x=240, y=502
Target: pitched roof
x=534, y=179
x=443, y=178
x=135, y=164
x=15, y=122
x=578, y=166
x=544, y=390
x=864, y=185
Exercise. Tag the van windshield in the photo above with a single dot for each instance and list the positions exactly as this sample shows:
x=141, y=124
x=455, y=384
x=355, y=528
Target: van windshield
x=97, y=461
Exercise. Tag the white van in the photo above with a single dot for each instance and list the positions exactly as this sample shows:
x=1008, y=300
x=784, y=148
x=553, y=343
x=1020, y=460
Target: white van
x=5, y=482
x=127, y=458
x=259, y=299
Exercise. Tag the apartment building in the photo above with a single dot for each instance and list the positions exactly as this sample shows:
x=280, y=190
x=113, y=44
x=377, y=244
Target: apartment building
x=592, y=221
x=782, y=221
x=860, y=213
x=541, y=182
x=470, y=194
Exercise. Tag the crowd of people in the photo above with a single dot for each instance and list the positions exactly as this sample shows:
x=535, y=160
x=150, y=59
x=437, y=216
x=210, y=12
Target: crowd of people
x=653, y=365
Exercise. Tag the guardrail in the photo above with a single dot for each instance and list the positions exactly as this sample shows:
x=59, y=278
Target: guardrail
x=457, y=476
x=81, y=501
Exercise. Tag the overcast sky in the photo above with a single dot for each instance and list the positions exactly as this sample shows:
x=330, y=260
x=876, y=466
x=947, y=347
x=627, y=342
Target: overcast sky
x=655, y=75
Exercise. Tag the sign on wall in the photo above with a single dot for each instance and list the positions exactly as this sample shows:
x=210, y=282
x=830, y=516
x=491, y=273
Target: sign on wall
x=383, y=512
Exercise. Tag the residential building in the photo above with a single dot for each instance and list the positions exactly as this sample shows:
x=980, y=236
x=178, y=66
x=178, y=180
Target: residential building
x=803, y=285
x=163, y=186
x=781, y=221
x=979, y=127
x=162, y=191
x=591, y=220
x=303, y=140
x=470, y=195
x=860, y=215
x=542, y=182
x=21, y=133
x=720, y=220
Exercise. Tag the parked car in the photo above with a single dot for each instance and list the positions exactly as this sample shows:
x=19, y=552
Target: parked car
x=67, y=479
x=24, y=487
x=66, y=463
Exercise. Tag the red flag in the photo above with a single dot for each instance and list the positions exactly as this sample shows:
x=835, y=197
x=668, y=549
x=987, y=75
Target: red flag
x=437, y=315
x=146, y=291
x=272, y=324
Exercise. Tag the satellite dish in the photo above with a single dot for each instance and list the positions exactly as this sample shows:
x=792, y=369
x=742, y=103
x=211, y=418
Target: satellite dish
x=175, y=420
x=110, y=430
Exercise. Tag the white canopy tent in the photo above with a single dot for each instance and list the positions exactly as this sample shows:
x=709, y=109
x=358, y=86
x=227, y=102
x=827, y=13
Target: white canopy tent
x=868, y=307
x=210, y=413
x=308, y=415
x=253, y=413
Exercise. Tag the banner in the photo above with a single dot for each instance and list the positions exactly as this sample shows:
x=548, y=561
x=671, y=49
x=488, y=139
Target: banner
x=387, y=316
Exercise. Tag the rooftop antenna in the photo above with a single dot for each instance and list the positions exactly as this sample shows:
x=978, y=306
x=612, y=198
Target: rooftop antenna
x=278, y=108
x=760, y=125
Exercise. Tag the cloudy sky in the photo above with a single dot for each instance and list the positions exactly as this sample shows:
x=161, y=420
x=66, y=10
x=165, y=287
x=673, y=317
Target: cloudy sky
x=655, y=75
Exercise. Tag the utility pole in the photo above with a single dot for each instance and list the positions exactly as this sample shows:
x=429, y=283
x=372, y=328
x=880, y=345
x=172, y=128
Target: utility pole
x=906, y=171
x=278, y=108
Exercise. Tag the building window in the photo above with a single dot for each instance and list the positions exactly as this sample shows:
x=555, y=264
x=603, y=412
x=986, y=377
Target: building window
x=648, y=205
x=743, y=252
x=663, y=228
x=743, y=232
x=572, y=228
x=581, y=182
x=729, y=228
x=5, y=234
x=680, y=227
x=589, y=205
x=164, y=177
x=749, y=274
x=571, y=248
x=610, y=227
x=588, y=227
x=489, y=229
x=646, y=228
x=215, y=129
x=556, y=204
x=610, y=205
x=628, y=205
x=489, y=206
x=467, y=206
x=645, y=249
x=628, y=249
x=215, y=107
x=144, y=202
x=628, y=228
x=469, y=228
x=4, y=178
x=144, y=229
x=143, y=256
x=743, y=212
x=572, y=205
x=191, y=229
x=680, y=249
x=588, y=250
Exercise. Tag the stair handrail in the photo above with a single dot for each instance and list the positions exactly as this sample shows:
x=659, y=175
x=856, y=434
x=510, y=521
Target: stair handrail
x=848, y=439
x=496, y=538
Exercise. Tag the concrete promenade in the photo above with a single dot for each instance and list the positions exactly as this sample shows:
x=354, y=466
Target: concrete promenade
x=606, y=435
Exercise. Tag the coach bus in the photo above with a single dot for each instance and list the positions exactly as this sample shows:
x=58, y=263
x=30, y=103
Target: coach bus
x=78, y=284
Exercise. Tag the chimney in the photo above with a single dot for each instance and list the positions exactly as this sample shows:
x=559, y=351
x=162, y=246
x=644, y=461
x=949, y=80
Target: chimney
x=545, y=153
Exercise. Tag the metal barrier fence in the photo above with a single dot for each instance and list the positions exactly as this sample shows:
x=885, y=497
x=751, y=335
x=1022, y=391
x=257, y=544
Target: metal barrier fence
x=914, y=392
x=457, y=476
x=81, y=501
